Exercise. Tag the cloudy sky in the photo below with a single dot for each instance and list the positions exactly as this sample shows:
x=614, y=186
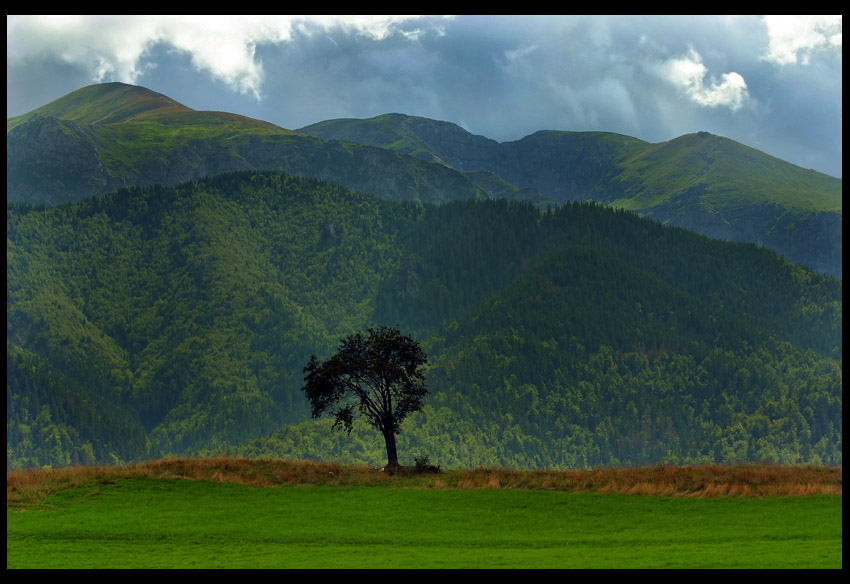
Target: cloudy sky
x=773, y=83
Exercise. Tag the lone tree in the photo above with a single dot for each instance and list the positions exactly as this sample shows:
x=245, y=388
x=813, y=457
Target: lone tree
x=380, y=375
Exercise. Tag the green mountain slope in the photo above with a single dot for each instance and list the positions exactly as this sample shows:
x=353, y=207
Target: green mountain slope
x=104, y=104
x=170, y=320
x=109, y=136
x=424, y=138
x=706, y=183
x=104, y=137
x=733, y=175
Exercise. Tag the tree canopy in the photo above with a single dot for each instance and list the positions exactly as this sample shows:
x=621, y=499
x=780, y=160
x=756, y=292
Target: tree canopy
x=162, y=321
x=380, y=375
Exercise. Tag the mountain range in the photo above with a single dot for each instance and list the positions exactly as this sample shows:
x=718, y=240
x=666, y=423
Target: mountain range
x=175, y=315
x=702, y=182
x=112, y=135
x=108, y=136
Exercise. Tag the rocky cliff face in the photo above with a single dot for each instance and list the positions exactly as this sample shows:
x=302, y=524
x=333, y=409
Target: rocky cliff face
x=51, y=161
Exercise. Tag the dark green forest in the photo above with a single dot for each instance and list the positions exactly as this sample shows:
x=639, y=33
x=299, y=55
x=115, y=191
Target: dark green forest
x=158, y=321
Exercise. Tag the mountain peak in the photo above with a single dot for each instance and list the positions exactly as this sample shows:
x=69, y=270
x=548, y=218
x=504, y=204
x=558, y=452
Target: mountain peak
x=104, y=103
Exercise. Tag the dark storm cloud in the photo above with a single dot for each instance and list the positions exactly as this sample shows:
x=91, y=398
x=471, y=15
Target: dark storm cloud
x=773, y=85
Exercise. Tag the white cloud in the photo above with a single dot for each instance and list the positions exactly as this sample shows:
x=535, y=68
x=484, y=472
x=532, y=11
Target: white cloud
x=113, y=47
x=517, y=61
x=794, y=38
x=689, y=73
x=105, y=45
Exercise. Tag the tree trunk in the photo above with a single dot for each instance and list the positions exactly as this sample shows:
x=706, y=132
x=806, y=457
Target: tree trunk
x=392, y=453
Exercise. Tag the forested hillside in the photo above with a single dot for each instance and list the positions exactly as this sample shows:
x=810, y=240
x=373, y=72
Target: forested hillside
x=171, y=320
x=705, y=183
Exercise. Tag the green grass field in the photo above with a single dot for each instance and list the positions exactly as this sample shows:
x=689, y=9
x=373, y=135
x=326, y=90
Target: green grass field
x=148, y=523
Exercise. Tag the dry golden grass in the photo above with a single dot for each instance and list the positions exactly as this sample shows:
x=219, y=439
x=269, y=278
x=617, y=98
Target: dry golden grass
x=28, y=487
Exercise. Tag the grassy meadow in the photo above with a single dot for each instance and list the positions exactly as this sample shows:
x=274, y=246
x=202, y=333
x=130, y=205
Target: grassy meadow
x=231, y=513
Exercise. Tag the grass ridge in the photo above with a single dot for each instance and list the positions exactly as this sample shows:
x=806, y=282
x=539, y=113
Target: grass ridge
x=30, y=487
